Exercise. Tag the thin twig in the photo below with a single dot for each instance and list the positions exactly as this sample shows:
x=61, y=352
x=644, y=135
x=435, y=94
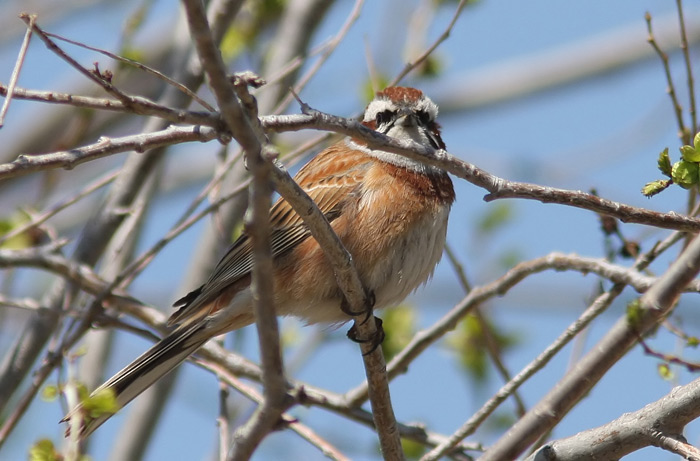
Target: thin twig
x=683, y=132
x=688, y=69
x=230, y=379
x=179, y=86
x=136, y=105
x=445, y=34
x=222, y=421
x=598, y=306
x=94, y=75
x=60, y=206
x=490, y=340
x=468, y=428
x=15, y=71
x=328, y=51
x=655, y=305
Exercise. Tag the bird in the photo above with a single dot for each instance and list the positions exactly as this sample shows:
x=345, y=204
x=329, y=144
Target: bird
x=389, y=211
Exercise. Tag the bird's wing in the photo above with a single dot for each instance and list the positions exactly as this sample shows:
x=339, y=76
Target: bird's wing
x=330, y=179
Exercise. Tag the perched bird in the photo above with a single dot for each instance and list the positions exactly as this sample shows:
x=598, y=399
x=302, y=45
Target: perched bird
x=389, y=211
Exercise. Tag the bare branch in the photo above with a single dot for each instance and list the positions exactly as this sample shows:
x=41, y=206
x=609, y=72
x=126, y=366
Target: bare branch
x=104, y=147
x=444, y=36
x=15, y=71
x=683, y=131
x=654, y=305
x=137, y=105
x=688, y=68
x=499, y=188
x=658, y=424
x=143, y=67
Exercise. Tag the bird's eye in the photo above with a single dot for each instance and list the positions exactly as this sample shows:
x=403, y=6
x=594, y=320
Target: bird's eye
x=423, y=116
x=384, y=117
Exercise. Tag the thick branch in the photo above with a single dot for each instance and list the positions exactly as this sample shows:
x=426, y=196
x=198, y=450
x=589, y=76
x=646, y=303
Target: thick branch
x=653, y=425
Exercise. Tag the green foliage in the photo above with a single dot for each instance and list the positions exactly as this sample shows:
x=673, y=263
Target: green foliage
x=130, y=52
x=399, y=327
x=430, y=67
x=7, y=225
x=469, y=341
x=685, y=172
x=134, y=23
x=634, y=313
x=136, y=20
x=664, y=163
x=509, y=257
x=233, y=43
x=496, y=216
x=692, y=153
x=103, y=402
x=652, y=188
x=371, y=86
x=44, y=450
x=412, y=449
x=692, y=341
x=50, y=393
x=665, y=371
x=243, y=34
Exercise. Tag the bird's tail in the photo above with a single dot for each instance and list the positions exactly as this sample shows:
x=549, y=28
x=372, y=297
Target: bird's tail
x=140, y=374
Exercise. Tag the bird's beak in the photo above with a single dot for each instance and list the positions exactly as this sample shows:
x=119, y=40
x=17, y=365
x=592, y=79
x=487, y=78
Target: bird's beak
x=406, y=118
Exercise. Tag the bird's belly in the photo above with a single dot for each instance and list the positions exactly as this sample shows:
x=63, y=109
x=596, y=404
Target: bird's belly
x=410, y=261
x=405, y=264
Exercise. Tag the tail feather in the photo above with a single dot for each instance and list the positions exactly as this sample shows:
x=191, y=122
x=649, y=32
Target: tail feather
x=152, y=365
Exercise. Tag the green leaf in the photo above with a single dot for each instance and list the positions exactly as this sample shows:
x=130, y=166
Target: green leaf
x=652, y=188
x=665, y=371
x=692, y=341
x=49, y=393
x=7, y=225
x=690, y=154
x=634, y=313
x=430, y=67
x=412, y=449
x=233, y=43
x=469, y=341
x=685, y=174
x=44, y=450
x=664, y=163
x=497, y=216
x=102, y=402
x=696, y=141
x=399, y=326
x=368, y=87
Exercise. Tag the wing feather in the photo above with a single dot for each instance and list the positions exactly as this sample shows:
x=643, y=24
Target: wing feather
x=329, y=179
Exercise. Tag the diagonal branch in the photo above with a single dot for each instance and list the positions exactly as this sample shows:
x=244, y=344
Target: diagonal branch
x=658, y=424
x=654, y=306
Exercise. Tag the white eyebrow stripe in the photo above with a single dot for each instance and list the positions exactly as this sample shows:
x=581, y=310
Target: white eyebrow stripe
x=380, y=105
x=425, y=104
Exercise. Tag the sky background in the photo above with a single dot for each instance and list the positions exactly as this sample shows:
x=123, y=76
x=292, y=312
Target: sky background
x=603, y=132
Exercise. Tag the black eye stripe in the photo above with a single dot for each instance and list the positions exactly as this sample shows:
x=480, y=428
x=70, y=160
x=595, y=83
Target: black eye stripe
x=423, y=116
x=385, y=117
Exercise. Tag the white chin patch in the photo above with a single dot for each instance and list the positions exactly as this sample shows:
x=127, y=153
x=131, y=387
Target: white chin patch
x=394, y=159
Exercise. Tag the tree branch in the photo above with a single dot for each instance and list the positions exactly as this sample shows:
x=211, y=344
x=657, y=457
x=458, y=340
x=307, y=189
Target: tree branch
x=658, y=424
